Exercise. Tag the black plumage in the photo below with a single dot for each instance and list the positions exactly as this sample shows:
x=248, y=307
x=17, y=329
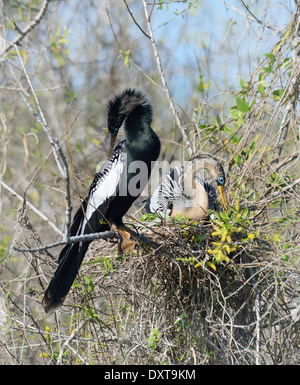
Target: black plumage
x=113, y=189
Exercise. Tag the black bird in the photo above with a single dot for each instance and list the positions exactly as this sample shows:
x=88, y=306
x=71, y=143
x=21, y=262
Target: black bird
x=115, y=187
x=183, y=192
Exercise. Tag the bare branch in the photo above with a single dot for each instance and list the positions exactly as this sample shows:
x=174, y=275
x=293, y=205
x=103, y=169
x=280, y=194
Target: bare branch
x=258, y=21
x=292, y=93
x=39, y=213
x=29, y=28
x=135, y=22
x=67, y=342
x=57, y=151
x=89, y=237
x=164, y=82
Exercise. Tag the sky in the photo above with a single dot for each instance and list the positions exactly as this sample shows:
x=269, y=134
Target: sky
x=213, y=39
x=219, y=36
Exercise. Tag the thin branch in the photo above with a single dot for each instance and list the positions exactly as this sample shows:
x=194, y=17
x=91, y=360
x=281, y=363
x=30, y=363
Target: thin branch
x=29, y=28
x=292, y=91
x=135, y=22
x=275, y=195
x=39, y=213
x=89, y=237
x=57, y=151
x=164, y=82
x=257, y=20
x=49, y=89
x=68, y=222
x=68, y=340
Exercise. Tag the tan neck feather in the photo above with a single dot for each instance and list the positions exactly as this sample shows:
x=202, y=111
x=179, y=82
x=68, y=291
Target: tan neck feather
x=197, y=204
x=198, y=195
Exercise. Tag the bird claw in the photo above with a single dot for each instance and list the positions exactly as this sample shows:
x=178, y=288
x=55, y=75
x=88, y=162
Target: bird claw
x=125, y=244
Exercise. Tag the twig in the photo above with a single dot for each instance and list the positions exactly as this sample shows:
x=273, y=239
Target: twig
x=257, y=20
x=68, y=227
x=68, y=340
x=29, y=28
x=164, y=81
x=57, y=151
x=135, y=22
x=292, y=91
x=39, y=213
x=257, y=314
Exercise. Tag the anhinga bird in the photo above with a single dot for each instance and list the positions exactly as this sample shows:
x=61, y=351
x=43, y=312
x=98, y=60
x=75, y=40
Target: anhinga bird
x=184, y=192
x=114, y=189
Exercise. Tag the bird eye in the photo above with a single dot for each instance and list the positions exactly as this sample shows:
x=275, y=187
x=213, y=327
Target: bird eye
x=220, y=180
x=113, y=131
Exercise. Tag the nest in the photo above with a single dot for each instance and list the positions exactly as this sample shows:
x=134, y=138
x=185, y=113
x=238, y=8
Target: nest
x=164, y=303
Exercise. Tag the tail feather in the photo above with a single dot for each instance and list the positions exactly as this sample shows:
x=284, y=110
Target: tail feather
x=69, y=261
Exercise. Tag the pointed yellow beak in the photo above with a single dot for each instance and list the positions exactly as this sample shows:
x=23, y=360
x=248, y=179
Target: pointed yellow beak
x=113, y=139
x=223, y=197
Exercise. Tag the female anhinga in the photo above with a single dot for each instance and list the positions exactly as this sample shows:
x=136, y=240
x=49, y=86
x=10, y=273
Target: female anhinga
x=184, y=192
x=115, y=187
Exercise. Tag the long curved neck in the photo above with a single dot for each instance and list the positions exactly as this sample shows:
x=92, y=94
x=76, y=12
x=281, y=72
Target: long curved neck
x=138, y=120
x=141, y=141
x=197, y=193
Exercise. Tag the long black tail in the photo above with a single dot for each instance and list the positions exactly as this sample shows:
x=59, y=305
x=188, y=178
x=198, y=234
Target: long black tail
x=69, y=261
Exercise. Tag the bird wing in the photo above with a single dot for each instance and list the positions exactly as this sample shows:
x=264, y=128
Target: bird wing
x=105, y=184
x=165, y=193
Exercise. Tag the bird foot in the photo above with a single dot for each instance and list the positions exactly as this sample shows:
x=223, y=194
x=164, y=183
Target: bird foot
x=125, y=243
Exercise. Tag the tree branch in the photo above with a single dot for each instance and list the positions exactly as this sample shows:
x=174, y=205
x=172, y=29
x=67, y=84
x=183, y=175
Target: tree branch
x=30, y=27
x=56, y=149
x=164, y=81
x=257, y=20
x=135, y=22
x=292, y=93
x=89, y=237
x=39, y=213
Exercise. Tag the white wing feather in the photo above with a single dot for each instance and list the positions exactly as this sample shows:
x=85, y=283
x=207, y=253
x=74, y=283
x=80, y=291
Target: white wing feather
x=106, y=182
x=106, y=189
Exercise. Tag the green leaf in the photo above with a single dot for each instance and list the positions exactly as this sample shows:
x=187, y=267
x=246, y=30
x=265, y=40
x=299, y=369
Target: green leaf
x=286, y=63
x=237, y=159
x=277, y=94
x=126, y=57
x=237, y=115
x=271, y=57
x=90, y=284
x=218, y=121
x=242, y=105
x=268, y=70
x=261, y=89
x=243, y=83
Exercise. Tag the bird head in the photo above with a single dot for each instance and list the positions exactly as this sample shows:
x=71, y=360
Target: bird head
x=115, y=118
x=221, y=184
x=212, y=164
x=120, y=107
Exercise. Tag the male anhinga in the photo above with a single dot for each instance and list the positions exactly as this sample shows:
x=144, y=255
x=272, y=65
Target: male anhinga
x=115, y=187
x=184, y=192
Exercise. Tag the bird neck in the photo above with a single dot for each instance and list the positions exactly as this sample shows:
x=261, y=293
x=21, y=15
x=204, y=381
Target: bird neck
x=196, y=190
x=141, y=140
x=138, y=120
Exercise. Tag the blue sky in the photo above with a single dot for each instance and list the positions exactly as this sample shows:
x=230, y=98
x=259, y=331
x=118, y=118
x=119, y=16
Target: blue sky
x=216, y=33
x=213, y=38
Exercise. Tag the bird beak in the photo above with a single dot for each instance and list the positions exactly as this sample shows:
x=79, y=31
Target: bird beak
x=224, y=200
x=112, y=143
